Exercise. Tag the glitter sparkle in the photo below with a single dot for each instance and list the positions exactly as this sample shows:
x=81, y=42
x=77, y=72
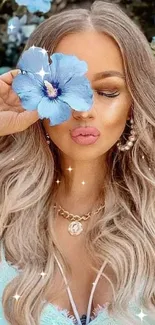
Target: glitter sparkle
x=42, y=73
x=70, y=169
x=141, y=315
x=43, y=51
x=11, y=27
x=57, y=181
x=43, y=274
x=16, y=297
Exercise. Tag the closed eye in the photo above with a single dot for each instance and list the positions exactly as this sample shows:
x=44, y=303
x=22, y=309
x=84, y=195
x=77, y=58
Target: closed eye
x=101, y=93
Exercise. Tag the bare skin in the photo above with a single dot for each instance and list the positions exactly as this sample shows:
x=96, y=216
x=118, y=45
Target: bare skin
x=13, y=117
x=82, y=278
x=109, y=115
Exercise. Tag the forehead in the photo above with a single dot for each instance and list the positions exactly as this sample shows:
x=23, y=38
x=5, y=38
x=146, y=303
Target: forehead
x=99, y=50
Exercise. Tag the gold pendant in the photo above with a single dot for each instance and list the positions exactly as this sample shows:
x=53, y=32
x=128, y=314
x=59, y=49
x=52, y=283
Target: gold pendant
x=75, y=228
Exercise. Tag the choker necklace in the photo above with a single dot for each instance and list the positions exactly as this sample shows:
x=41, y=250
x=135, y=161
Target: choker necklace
x=75, y=227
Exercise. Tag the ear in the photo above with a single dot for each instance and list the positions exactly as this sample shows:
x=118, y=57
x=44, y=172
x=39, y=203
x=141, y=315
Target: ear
x=130, y=112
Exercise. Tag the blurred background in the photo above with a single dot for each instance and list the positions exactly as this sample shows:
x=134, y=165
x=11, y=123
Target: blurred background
x=18, y=19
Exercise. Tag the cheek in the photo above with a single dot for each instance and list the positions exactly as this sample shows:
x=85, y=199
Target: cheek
x=113, y=131
x=114, y=123
x=56, y=133
x=114, y=119
x=60, y=137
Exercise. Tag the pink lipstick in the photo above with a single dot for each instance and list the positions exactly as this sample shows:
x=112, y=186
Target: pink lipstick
x=85, y=135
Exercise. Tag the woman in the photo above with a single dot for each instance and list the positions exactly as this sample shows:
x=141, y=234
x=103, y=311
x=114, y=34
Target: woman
x=49, y=179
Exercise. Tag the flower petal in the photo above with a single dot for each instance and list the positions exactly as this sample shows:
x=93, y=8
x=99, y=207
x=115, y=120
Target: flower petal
x=33, y=60
x=28, y=91
x=78, y=94
x=64, y=67
x=43, y=6
x=23, y=20
x=55, y=110
x=22, y=2
x=16, y=24
x=26, y=82
x=30, y=100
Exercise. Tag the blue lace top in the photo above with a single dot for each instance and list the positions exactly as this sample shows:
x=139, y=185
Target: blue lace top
x=53, y=315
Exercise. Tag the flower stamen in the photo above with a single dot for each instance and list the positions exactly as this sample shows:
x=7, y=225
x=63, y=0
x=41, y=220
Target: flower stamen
x=51, y=91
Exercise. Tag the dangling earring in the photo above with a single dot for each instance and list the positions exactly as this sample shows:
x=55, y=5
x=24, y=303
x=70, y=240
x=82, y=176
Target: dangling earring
x=47, y=138
x=131, y=139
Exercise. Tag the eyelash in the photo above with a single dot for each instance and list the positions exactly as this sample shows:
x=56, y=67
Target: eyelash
x=101, y=93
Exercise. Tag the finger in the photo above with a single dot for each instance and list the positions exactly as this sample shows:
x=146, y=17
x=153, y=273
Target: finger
x=12, y=122
x=6, y=108
x=8, y=76
x=25, y=119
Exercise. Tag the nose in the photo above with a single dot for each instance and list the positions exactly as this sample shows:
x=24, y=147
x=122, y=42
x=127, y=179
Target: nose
x=83, y=115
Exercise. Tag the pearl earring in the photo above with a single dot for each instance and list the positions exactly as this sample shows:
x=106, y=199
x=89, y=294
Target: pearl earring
x=47, y=138
x=129, y=143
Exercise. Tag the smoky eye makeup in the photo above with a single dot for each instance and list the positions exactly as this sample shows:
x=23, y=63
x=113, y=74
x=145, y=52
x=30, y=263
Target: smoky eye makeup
x=108, y=88
x=111, y=86
x=108, y=94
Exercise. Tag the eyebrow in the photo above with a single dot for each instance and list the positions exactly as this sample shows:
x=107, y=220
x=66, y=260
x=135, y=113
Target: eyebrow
x=107, y=74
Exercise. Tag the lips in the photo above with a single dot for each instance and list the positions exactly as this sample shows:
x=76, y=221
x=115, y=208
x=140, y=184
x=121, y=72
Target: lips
x=85, y=131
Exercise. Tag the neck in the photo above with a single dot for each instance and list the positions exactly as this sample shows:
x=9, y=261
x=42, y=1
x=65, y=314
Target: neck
x=81, y=187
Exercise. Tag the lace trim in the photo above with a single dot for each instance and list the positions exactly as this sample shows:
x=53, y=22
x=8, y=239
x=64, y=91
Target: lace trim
x=64, y=312
x=97, y=310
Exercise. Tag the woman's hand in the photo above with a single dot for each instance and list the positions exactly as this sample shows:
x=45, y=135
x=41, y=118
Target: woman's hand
x=13, y=117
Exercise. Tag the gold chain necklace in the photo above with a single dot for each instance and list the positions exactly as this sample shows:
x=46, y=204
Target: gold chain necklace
x=75, y=227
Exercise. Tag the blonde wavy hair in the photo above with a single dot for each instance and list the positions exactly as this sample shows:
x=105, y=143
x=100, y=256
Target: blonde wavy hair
x=124, y=234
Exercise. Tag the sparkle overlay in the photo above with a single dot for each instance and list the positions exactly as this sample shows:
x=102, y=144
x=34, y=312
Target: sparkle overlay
x=11, y=27
x=141, y=315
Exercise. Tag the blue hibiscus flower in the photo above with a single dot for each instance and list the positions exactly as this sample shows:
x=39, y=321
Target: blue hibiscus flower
x=36, y=5
x=52, y=88
x=14, y=29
